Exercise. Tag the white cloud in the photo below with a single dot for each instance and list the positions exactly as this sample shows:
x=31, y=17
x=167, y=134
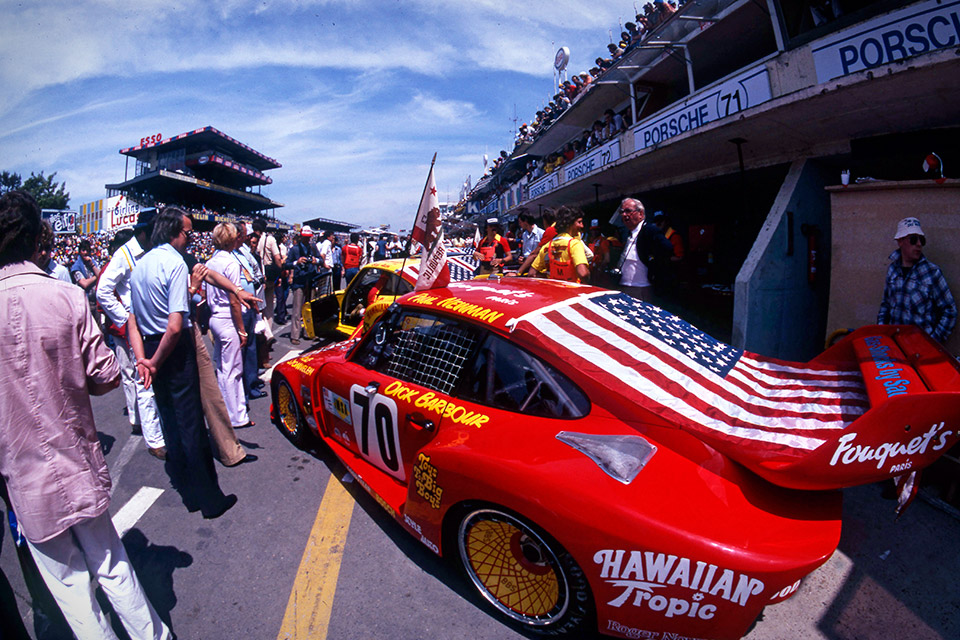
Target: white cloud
x=352, y=97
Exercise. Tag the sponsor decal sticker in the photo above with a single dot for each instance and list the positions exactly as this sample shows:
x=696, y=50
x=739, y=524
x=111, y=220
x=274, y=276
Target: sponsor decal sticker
x=302, y=367
x=849, y=453
x=337, y=405
x=376, y=496
x=416, y=527
x=425, y=481
x=641, y=573
x=430, y=401
x=889, y=374
x=786, y=591
x=456, y=305
x=629, y=632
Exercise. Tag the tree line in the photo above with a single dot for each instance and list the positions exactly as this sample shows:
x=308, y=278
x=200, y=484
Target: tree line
x=48, y=193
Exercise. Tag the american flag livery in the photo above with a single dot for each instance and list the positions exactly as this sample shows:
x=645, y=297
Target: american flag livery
x=751, y=408
x=462, y=267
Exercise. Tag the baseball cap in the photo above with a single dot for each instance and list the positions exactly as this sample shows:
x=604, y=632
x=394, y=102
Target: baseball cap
x=305, y=230
x=907, y=226
x=145, y=218
x=493, y=221
x=594, y=224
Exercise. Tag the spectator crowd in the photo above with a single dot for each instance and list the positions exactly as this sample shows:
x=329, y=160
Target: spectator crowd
x=632, y=34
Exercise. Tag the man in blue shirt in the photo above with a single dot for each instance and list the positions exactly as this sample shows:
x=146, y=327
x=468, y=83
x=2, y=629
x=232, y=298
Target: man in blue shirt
x=303, y=259
x=85, y=272
x=167, y=356
x=916, y=291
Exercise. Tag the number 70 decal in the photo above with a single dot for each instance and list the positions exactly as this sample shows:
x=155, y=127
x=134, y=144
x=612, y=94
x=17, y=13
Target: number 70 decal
x=375, y=430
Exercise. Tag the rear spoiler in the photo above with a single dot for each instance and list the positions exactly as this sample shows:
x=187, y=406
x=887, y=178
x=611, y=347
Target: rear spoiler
x=913, y=386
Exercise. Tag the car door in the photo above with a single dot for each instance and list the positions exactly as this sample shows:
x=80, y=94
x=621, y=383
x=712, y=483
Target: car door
x=388, y=399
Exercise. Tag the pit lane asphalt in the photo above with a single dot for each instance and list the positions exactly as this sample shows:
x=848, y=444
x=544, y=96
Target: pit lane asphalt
x=233, y=577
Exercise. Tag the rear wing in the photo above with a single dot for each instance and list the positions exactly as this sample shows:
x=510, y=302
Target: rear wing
x=913, y=386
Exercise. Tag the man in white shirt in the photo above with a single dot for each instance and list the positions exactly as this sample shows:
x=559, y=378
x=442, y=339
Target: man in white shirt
x=326, y=250
x=113, y=294
x=633, y=280
x=270, y=255
x=530, y=238
x=644, y=244
x=326, y=264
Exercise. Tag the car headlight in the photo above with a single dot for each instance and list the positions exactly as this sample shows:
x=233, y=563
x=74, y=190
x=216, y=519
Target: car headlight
x=621, y=456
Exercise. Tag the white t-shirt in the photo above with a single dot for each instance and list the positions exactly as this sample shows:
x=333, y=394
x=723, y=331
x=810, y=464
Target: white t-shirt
x=326, y=252
x=633, y=272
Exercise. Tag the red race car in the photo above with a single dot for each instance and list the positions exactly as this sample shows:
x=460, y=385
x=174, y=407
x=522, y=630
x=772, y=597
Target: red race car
x=594, y=461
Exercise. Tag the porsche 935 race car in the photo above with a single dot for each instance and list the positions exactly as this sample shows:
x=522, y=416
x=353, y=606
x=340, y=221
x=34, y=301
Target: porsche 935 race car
x=593, y=461
x=372, y=290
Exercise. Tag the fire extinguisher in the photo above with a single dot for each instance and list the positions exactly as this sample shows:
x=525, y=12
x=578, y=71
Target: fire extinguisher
x=812, y=232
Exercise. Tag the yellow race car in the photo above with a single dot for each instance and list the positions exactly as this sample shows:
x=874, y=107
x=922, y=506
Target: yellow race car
x=371, y=291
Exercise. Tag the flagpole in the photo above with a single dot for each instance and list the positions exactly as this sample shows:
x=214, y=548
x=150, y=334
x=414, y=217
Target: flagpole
x=406, y=250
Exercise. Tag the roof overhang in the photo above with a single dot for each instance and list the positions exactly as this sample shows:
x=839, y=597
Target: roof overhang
x=169, y=186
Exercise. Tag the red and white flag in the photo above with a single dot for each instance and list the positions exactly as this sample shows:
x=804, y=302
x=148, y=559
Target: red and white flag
x=428, y=231
x=753, y=409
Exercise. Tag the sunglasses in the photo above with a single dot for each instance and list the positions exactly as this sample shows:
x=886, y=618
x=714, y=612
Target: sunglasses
x=913, y=238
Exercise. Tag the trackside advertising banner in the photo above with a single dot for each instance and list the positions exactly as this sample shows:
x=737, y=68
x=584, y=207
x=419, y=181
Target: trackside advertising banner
x=119, y=212
x=919, y=28
x=745, y=90
x=596, y=159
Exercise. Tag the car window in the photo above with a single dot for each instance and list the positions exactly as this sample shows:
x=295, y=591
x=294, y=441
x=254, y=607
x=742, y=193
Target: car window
x=355, y=300
x=370, y=284
x=505, y=376
x=396, y=286
x=419, y=348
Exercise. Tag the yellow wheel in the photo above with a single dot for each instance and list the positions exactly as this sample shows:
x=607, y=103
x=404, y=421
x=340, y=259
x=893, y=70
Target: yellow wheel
x=525, y=575
x=289, y=416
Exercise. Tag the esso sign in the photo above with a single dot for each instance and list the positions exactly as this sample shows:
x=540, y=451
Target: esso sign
x=154, y=139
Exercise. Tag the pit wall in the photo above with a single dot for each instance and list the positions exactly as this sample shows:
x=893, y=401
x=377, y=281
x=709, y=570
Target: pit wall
x=865, y=218
x=777, y=311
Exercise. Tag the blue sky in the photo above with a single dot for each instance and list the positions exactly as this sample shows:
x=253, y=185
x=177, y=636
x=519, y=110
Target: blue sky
x=351, y=97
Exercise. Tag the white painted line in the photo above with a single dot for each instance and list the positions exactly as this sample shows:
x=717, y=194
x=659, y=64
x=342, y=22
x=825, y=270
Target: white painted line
x=293, y=353
x=129, y=448
x=131, y=512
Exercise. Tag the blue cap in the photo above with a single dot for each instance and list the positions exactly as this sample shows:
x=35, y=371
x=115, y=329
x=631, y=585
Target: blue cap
x=145, y=219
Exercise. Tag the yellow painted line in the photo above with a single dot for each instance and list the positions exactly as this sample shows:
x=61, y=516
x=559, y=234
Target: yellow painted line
x=311, y=600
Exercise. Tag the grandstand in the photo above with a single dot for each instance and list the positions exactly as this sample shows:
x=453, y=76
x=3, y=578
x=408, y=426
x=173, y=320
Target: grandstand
x=740, y=117
x=204, y=170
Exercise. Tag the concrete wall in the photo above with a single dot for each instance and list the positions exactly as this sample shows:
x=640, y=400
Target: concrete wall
x=777, y=312
x=865, y=217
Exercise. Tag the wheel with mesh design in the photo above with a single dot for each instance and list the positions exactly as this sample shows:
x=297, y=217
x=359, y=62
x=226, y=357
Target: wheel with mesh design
x=289, y=418
x=528, y=578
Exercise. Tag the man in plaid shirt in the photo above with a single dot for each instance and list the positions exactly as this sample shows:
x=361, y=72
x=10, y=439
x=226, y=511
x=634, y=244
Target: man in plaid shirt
x=916, y=291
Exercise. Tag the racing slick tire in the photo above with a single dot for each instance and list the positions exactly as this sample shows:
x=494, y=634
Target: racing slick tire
x=289, y=416
x=525, y=575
